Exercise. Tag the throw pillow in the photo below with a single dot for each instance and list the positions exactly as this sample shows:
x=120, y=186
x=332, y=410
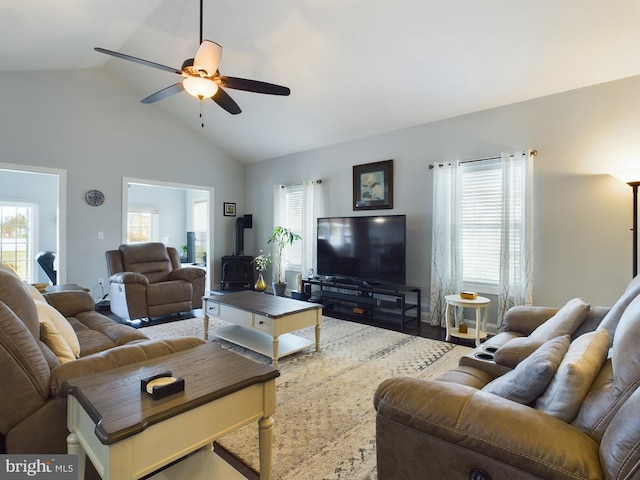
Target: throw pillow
x=62, y=325
x=565, y=321
x=530, y=378
x=55, y=341
x=564, y=395
x=515, y=350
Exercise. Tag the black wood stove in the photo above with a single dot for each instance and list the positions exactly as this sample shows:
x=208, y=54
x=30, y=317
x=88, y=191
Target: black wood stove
x=238, y=270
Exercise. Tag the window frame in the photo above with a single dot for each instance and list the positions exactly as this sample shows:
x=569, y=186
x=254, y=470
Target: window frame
x=293, y=220
x=154, y=223
x=492, y=220
x=30, y=265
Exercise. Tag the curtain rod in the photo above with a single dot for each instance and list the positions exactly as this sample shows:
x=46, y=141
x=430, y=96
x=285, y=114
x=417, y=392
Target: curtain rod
x=534, y=152
x=299, y=183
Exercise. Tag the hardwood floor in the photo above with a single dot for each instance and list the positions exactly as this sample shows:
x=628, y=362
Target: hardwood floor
x=426, y=330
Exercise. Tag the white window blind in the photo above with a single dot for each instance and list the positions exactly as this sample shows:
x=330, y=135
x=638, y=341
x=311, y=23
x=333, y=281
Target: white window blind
x=483, y=201
x=293, y=212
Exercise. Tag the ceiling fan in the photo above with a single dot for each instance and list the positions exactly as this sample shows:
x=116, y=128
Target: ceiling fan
x=202, y=78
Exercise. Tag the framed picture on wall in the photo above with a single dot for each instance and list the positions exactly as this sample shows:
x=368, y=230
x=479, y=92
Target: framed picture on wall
x=229, y=209
x=373, y=185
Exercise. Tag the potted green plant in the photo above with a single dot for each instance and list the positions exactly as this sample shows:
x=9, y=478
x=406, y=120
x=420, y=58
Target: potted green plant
x=280, y=238
x=262, y=262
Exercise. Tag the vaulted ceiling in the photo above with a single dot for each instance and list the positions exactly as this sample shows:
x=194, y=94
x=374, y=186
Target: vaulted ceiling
x=355, y=67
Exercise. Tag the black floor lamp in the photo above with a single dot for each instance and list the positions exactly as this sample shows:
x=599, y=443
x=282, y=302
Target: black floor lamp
x=632, y=177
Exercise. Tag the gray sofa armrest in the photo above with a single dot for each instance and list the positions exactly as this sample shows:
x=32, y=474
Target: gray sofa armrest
x=525, y=319
x=70, y=303
x=466, y=428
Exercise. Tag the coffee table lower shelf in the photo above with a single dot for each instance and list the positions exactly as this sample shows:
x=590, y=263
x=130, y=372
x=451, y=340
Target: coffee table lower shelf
x=203, y=465
x=263, y=343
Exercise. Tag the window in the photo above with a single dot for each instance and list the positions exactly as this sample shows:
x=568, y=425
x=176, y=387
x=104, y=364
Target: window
x=298, y=207
x=200, y=227
x=483, y=205
x=482, y=236
x=142, y=225
x=292, y=198
x=18, y=236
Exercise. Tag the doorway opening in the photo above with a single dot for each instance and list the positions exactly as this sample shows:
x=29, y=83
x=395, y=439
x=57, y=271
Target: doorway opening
x=33, y=220
x=175, y=214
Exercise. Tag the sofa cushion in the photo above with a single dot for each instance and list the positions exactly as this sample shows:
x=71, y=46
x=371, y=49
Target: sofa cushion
x=97, y=333
x=530, y=378
x=23, y=368
x=164, y=293
x=620, y=447
x=578, y=369
x=15, y=295
x=71, y=302
x=618, y=378
x=53, y=339
x=62, y=325
x=118, y=357
x=516, y=350
x=150, y=259
x=564, y=322
x=610, y=321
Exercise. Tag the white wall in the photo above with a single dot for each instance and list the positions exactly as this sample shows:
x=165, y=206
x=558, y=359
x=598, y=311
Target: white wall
x=582, y=215
x=90, y=124
x=93, y=126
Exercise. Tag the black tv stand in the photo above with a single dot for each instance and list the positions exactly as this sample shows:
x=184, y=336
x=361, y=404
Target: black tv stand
x=376, y=304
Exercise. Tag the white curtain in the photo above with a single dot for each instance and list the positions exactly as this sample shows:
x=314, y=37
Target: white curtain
x=311, y=203
x=446, y=255
x=312, y=209
x=516, y=250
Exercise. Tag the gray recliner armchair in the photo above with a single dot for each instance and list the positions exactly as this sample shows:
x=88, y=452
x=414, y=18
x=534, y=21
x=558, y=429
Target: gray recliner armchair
x=146, y=281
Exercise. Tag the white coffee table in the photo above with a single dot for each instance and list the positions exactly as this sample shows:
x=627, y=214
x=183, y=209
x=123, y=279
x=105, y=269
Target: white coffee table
x=128, y=435
x=263, y=323
x=481, y=305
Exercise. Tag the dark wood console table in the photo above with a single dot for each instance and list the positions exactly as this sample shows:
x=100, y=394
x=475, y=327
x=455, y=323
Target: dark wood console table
x=376, y=303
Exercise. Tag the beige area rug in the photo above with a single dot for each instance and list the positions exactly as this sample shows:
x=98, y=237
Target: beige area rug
x=325, y=420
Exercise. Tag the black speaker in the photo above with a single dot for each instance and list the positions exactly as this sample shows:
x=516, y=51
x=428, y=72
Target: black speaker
x=248, y=221
x=191, y=247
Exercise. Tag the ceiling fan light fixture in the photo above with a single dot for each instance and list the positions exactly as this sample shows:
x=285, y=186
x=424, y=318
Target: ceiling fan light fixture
x=200, y=87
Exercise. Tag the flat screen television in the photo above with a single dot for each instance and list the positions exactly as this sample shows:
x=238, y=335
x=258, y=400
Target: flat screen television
x=370, y=249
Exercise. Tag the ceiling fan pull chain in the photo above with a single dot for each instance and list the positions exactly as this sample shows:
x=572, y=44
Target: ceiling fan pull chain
x=201, y=113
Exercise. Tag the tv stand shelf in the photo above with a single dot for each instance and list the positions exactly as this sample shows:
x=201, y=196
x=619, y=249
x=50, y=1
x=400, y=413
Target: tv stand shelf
x=373, y=303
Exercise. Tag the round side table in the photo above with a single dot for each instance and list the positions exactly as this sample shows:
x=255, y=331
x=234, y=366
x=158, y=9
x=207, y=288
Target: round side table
x=481, y=304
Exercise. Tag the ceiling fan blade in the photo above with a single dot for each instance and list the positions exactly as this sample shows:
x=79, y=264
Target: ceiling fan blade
x=223, y=99
x=138, y=60
x=208, y=57
x=252, y=86
x=164, y=93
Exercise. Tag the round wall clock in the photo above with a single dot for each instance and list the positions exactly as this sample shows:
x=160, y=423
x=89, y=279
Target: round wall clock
x=95, y=198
